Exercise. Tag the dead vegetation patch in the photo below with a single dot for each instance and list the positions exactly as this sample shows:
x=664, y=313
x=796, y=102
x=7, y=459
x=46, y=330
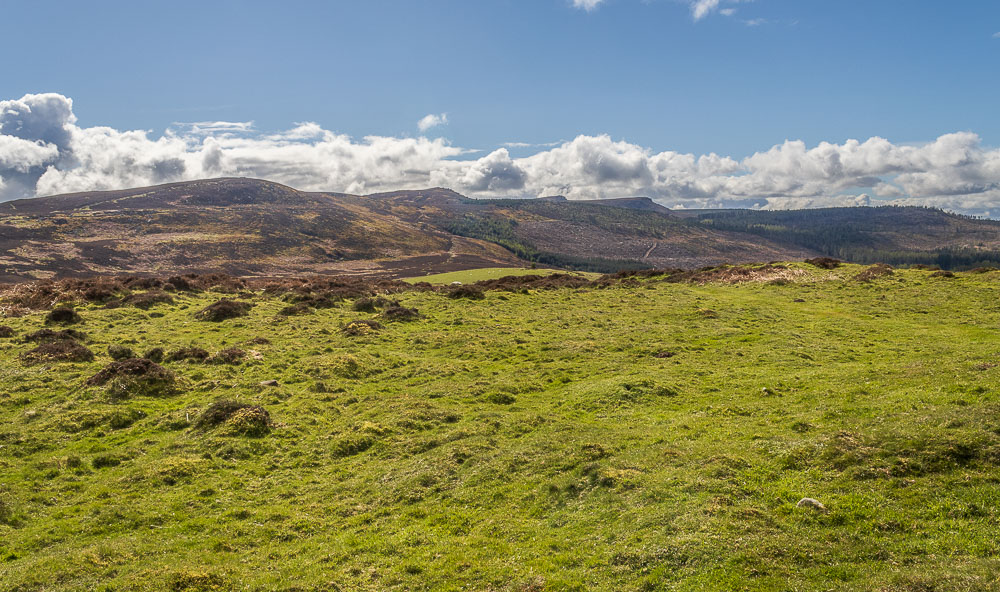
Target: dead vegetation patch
x=52, y=336
x=196, y=354
x=521, y=283
x=218, y=412
x=874, y=272
x=147, y=300
x=223, y=310
x=135, y=377
x=321, y=300
x=240, y=418
x=737, y=274
x=943, y=274
x=232, y=356
x=369, y=304
x=44, y=294
x=296, y=309
x=333, y=289
x=824, y=262
x=62, y=315
x=397, y=312
x=471, y=292
x=58, y=351
x=7, y=332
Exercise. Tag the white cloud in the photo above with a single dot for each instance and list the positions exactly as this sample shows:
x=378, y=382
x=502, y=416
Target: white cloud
x=754, y=22
x=996, y=35
x=702, y=8
x=43, y=151
x=432, y=120
x=587, y=5
x=529, y=145
x=215, y=127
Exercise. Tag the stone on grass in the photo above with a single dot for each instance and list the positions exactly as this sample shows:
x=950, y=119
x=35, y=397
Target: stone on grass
x=812, y=504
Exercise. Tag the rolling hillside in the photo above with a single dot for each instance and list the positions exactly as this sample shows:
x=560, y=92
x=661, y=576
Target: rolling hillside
x=239, y=226
x=258, y=228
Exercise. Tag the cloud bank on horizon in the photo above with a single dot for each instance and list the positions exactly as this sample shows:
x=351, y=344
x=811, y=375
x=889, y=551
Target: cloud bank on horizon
x=44, y=152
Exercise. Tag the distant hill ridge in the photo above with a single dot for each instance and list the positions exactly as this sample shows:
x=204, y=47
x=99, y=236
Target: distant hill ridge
x=261, y=228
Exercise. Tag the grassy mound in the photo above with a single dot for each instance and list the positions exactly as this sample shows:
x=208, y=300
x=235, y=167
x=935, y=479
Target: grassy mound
x=196, y=354
x=134, y=377
x=238, y=418
x=63, y=315
x=52, y=336
x=147, y=300
x=58, y=351
x=223, y=310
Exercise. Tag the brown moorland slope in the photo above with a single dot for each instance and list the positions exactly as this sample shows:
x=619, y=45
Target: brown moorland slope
x=249, y=227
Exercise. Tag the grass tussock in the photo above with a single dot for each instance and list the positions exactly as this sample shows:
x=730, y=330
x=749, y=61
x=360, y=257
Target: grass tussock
x=874, y=272
x=223, y=310
x=58, y=351
x=135, y=377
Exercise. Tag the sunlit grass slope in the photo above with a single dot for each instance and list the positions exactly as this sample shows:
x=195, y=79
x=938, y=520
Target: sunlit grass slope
x=644, y=436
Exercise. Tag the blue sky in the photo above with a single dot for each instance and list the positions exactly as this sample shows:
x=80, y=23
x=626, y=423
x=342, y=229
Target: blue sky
x=742, y=78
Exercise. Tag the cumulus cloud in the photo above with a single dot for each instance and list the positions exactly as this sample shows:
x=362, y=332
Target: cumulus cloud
x=587, y=5
x=432, y=120
x=43, y=151
x=215, y=127
x=493, y=173
x=530, y=145
x=702, y=8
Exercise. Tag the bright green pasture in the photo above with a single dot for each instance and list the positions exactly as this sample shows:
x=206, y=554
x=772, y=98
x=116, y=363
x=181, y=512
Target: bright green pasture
x=651, y=436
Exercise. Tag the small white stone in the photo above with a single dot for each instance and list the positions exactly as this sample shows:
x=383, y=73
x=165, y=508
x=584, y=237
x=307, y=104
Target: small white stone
x=808, y=502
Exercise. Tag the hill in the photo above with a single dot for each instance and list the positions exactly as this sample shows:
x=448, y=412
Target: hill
x=258, y=228
x=238, y=226
x=639, y=432
x=890, y=234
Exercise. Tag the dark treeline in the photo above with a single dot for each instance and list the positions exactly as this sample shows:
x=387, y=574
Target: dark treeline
x=859, y=235
x=957, y=259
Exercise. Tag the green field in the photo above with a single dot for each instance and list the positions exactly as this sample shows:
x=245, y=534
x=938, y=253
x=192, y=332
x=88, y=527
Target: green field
x=646, y=435
x=470, y=276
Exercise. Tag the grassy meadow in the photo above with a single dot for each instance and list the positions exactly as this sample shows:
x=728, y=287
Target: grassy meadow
x=642, y=436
